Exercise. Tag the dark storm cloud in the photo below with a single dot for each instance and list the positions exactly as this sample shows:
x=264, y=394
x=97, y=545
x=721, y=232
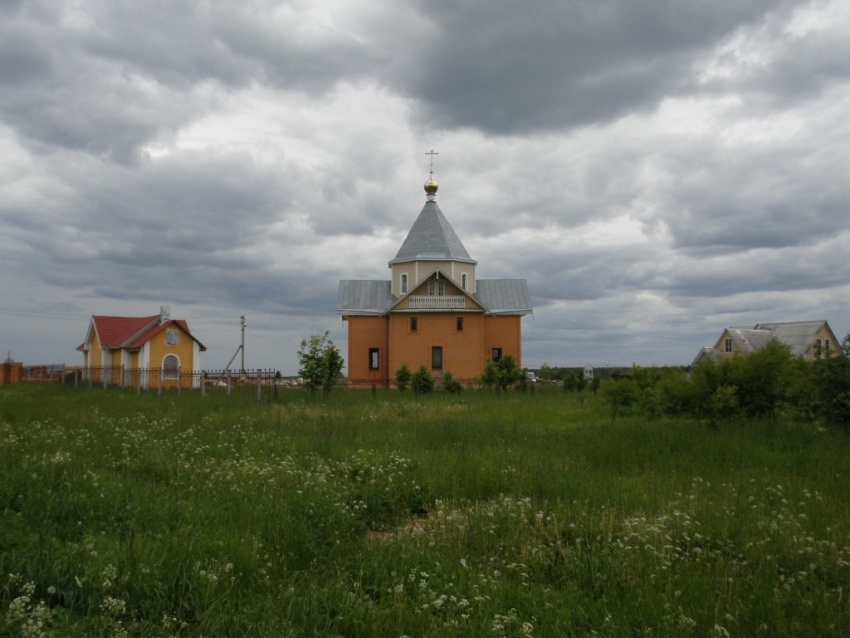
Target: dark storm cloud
x=508, y=68
x=653, y=169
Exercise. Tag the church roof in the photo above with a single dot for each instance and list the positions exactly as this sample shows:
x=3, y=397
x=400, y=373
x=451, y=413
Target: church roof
x=503, y=296
x=364, y=297
x=432, y=238
x=373, y=297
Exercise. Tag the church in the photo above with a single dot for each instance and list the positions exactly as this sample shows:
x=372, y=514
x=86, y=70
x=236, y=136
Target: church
x=434, y=311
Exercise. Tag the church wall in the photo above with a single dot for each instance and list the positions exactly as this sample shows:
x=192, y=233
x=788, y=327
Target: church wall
x=462, y=351
x=365, y=333
x=505, y=332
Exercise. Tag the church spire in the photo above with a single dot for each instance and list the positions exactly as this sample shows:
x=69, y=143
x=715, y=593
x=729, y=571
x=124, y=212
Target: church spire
x=431, y=185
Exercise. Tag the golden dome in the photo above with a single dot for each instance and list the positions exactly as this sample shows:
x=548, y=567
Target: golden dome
x=431, y=185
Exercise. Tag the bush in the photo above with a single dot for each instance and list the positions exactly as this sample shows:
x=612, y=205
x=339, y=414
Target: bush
x=403, y=377
x=450, y=384
x=423, y=381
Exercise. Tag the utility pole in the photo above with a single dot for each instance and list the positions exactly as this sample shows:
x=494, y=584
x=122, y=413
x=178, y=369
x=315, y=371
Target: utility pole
x=242, y=347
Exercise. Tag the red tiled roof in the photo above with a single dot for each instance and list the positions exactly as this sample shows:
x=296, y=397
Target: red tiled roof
x=114, y=332
x=132, y=332
x=139, y=341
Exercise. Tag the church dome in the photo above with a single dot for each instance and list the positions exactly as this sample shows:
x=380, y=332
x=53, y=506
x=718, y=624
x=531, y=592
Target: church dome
x=431, y=186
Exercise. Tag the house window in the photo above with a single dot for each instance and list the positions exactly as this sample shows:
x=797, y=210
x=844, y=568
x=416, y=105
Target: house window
x=818, y=347
x=437, y=358
x=374, y=358
x=404, y=283
x=414, y=324
x=496, y=354
x=459, y=324
x=464, y=281
x=826, y=347
x=170, y=367
x=728, y=345
x=436, y=287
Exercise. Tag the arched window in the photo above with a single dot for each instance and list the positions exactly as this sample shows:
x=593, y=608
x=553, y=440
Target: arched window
x=464, y=281
x=404, y=283
x=170, y=366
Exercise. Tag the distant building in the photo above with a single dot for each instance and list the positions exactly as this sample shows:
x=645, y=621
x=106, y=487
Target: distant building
x=116, y=344
x=434, y=311
x=806, y=339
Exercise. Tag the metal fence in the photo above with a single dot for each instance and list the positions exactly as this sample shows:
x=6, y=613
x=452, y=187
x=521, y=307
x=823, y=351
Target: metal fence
x=260, y=383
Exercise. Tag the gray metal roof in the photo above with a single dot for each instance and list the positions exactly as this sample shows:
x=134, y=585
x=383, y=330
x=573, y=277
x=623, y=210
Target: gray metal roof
x=798, y=335
x=503, y=296
x=432, y=238
x=363, y=297
x=373, y=297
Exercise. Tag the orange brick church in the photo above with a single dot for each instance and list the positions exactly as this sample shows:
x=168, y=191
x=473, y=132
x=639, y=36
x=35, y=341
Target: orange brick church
x=434, y=311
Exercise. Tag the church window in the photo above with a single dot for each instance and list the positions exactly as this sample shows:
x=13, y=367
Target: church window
x=464, y=281
x=374, y=358
x=437, y=358
x=436, y=287
x=404, y=283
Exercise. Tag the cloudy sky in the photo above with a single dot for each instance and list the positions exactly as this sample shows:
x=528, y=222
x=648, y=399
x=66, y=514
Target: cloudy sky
x=656, y=170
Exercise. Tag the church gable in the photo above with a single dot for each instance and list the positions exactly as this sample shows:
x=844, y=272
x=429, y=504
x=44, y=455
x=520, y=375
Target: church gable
x=438, y=292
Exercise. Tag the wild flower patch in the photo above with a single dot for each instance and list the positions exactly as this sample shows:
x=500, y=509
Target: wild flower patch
x=406, y=516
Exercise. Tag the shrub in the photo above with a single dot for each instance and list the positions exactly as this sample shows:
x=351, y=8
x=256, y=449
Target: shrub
x=403, y=377
x=450, y=384
x=423, y=381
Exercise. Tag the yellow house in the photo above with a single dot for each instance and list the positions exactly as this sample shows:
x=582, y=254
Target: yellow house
x=806, y=339
x=141, y=351
x=433, y=312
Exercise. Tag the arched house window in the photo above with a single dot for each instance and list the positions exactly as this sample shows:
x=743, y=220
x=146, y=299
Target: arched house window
x=170, y=366
x=404, y=283
x=464, y=281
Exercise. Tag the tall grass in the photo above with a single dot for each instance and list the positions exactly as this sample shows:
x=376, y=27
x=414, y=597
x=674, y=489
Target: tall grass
x=468, y=515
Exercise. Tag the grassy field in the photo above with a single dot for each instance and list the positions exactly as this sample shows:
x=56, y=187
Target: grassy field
x=395, y=515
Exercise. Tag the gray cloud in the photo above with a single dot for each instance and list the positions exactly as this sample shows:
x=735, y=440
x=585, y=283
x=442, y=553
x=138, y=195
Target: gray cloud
x=655, y=171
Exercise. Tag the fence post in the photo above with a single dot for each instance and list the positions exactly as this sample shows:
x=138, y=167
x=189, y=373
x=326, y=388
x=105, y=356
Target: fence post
x=259, y=384
x=228, y=383
x=161, y=377
x=203, y=384
x=179, y=381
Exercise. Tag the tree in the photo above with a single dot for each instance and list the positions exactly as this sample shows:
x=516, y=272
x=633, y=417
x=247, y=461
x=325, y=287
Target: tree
x=503, y=373
x=321, y=363
x=403, y=377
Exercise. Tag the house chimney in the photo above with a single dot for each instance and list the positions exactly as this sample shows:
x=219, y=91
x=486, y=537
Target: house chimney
x=164, y=313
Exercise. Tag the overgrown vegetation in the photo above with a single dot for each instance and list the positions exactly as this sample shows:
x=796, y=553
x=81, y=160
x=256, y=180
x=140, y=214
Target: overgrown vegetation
x=433, y=515
x=770, y=385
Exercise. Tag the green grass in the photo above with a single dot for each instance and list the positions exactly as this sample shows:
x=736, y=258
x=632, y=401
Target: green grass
x=470, y=515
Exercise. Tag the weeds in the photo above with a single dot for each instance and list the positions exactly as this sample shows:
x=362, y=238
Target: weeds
x=471, y=515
